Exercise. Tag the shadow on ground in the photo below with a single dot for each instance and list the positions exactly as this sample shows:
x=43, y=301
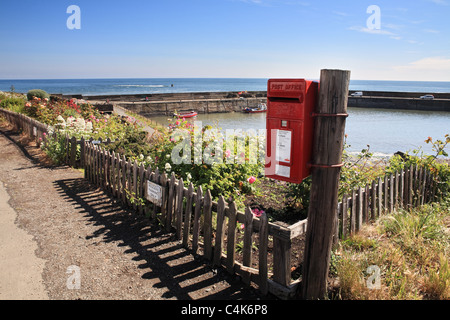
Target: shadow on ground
x=172, y=266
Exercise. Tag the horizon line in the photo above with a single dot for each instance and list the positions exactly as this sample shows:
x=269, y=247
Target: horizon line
x=130, y=78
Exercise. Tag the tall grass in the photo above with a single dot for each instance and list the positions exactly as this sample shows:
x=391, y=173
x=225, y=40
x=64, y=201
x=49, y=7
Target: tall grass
x=411, y=249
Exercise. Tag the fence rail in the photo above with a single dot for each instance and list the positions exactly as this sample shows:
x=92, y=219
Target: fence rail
x=406, y=188
x=261, y=251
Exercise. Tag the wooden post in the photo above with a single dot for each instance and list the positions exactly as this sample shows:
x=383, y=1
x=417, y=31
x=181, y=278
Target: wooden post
x=327, y=151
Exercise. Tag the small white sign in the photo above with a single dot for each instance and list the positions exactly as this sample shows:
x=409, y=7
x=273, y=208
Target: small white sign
x=283, y=171
x=154, y=193
x=284, y=142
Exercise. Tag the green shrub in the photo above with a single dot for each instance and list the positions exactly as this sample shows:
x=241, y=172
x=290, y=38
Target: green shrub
x=13, y=104
x=38, y=93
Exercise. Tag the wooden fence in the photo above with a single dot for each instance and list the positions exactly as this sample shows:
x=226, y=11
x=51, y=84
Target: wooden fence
x=260, y=251
x=206, y=227
x=406, y=188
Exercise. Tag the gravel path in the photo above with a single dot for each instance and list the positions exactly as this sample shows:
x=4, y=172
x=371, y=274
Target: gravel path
x=81, y=234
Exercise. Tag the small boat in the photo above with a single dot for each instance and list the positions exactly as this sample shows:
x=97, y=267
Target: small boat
x=260, y=108
x=190, y=114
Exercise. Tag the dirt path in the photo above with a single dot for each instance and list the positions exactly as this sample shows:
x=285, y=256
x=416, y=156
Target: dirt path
x=84, y=236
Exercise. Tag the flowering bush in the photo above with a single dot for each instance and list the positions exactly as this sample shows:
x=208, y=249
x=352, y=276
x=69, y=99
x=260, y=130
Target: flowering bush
x=202, y=156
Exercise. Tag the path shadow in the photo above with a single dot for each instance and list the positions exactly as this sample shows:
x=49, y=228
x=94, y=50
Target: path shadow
x=29, y=149
x=158, y=251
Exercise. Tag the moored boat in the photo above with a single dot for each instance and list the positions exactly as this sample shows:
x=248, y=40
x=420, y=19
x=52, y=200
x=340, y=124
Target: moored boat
x=190, y=114
x=260, y=108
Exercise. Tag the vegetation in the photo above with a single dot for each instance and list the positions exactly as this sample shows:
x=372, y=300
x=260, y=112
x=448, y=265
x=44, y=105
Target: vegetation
x=410, y=249
x=37, y=93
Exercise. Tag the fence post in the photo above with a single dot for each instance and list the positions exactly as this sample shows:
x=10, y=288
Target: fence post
x=327, y=151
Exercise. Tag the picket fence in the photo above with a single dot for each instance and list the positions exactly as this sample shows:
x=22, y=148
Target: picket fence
x=260, y=252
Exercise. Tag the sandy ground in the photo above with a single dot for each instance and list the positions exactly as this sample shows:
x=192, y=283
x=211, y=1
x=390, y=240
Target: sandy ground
x=61, y=238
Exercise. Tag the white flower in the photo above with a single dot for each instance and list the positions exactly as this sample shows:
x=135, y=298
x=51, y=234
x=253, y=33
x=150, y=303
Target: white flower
x=188, y=176
x=88, y=127
x=168, y=166
x=141, y=157
x=149, y=159
x=62, y=122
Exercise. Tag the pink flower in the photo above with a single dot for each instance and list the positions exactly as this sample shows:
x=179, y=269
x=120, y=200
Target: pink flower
x=257, y=213
x=227, y=153
x=251, y=180
x=177, y=122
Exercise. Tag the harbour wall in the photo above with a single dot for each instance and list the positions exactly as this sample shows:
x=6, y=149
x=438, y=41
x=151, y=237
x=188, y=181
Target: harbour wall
x=215, y=102
x=167, y=104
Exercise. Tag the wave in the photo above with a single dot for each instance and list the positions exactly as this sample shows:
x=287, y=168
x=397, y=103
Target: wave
x=141, y=85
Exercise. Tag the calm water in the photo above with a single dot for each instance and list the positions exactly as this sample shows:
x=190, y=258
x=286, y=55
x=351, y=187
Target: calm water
x=386, y=131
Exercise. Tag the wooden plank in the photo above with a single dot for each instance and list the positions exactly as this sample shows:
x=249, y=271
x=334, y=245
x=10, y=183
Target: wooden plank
x=164, y=184
x=391, y=193
x=108, y=170
x=119, y=176
x=386, y=193
x=366, y=205
x=423, y=185
x=171, y=202
x=134, y=189
x=179, y=209
x=380, y=197
x=415, y=186
x=113, y=175
x=73, y=151
x=188, y=216
x=124, y=180
x=354, y=214
x=401, y=188
x=220, y=231
x=129, y=182
x=148, y=205
x=156, y=179
x=344, y=220
x=207, y=206
x=263, y=246
x=197, y=215
x=231, y=238
x=359, y=218
x=373, y=201
x=396, y=189
x=410, y=186
x=141, y=187
x=82, y=151
x=281, y=261
x=248, y=241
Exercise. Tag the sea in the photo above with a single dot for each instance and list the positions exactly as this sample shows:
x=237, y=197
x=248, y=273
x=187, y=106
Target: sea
x=383, y=131
x=88, y=87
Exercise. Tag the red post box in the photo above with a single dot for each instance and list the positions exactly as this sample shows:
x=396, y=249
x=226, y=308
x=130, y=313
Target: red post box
x=290, y=126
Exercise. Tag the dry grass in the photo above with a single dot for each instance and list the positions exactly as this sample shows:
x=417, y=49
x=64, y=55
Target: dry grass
x=411, y=250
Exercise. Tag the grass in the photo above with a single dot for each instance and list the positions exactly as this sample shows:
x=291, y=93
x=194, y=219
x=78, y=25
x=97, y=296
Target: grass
x=411, y=250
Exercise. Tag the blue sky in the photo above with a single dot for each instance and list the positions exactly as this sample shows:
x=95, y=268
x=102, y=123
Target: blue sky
x=225, y=38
